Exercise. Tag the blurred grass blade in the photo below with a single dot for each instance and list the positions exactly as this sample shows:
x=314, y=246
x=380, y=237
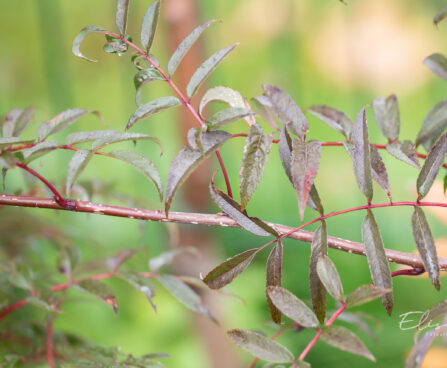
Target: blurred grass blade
x=207, y=67
x=336, y=119
x=330, y=278
x=274, y=277
x=426, y=245
x=76, y=49
x=149, y=25
x=185, y=46
x=260, y=346
x=254, y=159
x=77, y=164
x=386, y=112
x=227, y=271
x=292, y=307
x=375, y=254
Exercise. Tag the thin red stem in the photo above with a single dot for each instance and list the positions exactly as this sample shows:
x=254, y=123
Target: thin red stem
x=225, y=174
x=49, y=345
x=408, y=272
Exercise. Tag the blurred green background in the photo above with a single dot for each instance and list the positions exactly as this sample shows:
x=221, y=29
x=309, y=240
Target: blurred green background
x=321, y=52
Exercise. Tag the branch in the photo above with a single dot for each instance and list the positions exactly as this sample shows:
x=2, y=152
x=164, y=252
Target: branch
x=395, y=256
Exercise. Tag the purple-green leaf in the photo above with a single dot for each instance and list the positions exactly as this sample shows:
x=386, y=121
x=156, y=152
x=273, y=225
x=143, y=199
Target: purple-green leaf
x=227, y=271
x=228, y=116
x=38, y=150
x=112, y=137
x=378, y=171
x=189, y=158
x=76, y=49
x=185, y=295
x=432, y=165
x=16, y=121
x=344, y=339
x=143, y=165
x=426, y=245
x=122, y=12
x=437, y=311
x=274, y=277
x=140, y=283
x=361, y=155
x=100, y=290
x=260, y=346
x=316, y=288
x=185, y=46
x=263, y=107
x=207, y=67
x=229, y=96
x=287, y=110
x=386, y=112
x=152, y=108
x=433, y=126
x=254, y=159
x=437, y=63
x=149, y=25
x=375, y=254
x=77, y=164
x=404, y=151
x=364, y=294
x=6, y=141
x=304, y=167
x=440, y=15
x=329, y=276
x=234, y=210
x=292, y=307
x=336, y=119
x=62, y=121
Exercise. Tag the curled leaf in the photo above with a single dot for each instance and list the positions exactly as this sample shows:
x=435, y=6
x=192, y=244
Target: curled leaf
x=77, y=164
x=260, y=346
x=149, y=25
x=188, y=159
x=230, y=96
x=274, y=277
x=254, y=159
x=227, y=271
x=336, y=119
x=207, y=67
x=76, y=49
x=386, y=112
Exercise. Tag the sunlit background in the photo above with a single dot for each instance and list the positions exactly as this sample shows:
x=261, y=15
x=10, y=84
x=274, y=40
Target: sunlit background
x=321, y=52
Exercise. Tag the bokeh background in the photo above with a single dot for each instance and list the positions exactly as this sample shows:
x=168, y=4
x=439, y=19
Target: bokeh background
x=321, y=52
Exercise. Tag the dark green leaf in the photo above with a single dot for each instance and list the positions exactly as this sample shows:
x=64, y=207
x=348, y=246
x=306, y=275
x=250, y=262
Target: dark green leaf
x=6, y=141
x=437, y=311
x=141, y=283
x=386, y=112
x=143, y=165
x=361, y=155
x=38, y=150
x=152, y=108
x=364, y=294
x=188, y=159
x=62, y=121
x=149, y=25
x=234, y=210
x=292, y=307
x=316, y=287
x=224, y=94
x=433, y=126
x=420, y=348
x=344, y=339
x=77, y=164
x=260, y=346
x=185, y=45
x=100, y=290
x=115, y=137
x=274, y=277
x=145, y=76
x=378, y=171
x=122, y=12
x=336, y=119
x=440, y=15
x=228, y=116
x=404, y=151
x=304, y=167
x=432, y=165
x=227, y=271
x=287, y=110
x=254, y=158
x=426, y=245
x=185, y=295
x=76, y=49
x=207, y=67
x=437, y=63
x=375, y=253
x=165, y=258
x=16, y=121
x=329, y=276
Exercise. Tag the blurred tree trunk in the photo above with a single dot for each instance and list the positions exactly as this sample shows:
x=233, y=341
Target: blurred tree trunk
x=182, y=18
